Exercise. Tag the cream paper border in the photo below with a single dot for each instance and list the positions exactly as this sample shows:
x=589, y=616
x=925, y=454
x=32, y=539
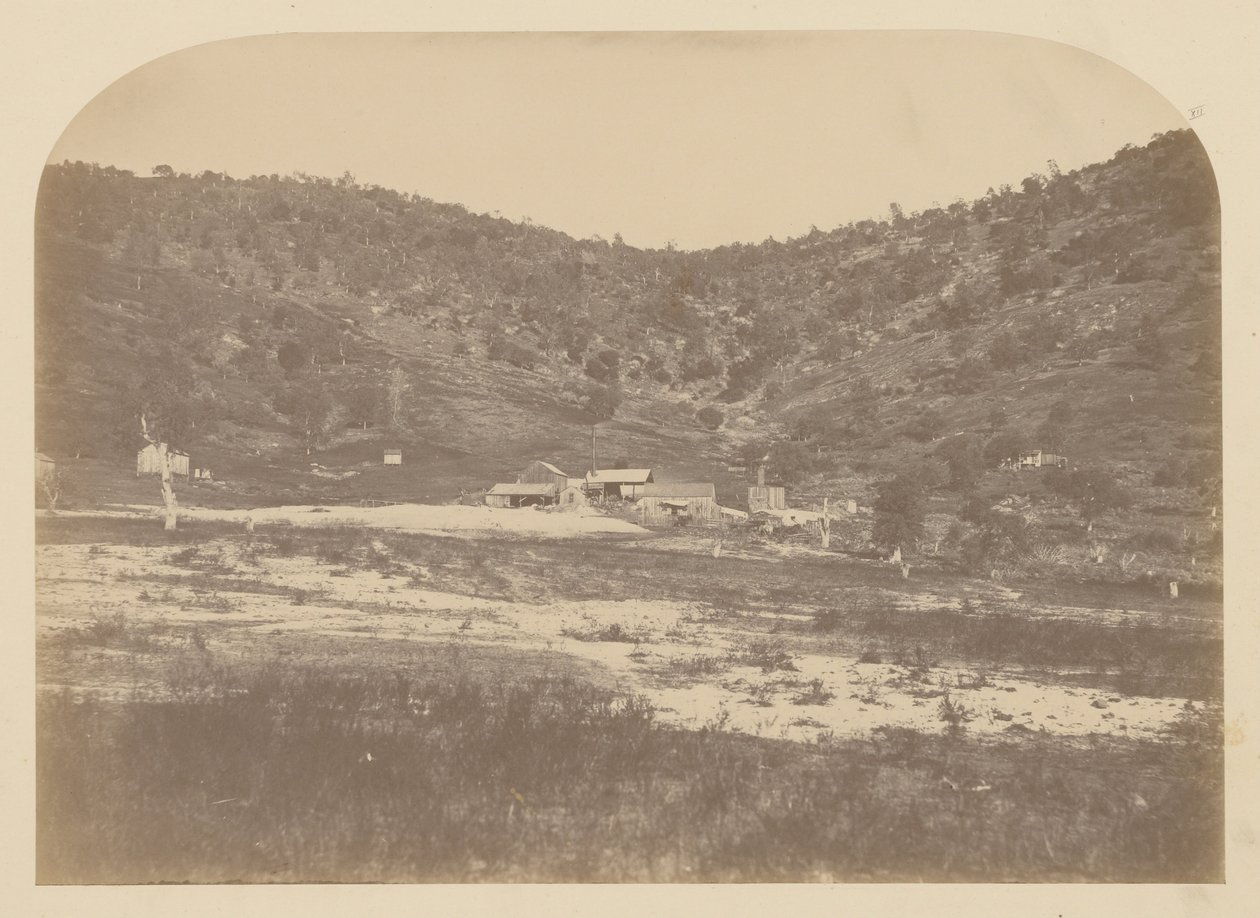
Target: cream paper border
x=58, y=55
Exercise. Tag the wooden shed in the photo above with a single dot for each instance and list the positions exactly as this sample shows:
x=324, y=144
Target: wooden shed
x=572, y=497
x=147, y=461
x=393, y=457
x=697, y=500
x=45, y=467
x=766, y=497
x=1040, y=459
x=627, y=484
x=539, y=472
x=521, y=495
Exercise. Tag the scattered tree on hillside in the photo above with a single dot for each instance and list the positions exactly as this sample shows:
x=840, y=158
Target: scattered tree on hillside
x=964, y=462
x=899, y=512
x=710, y=417
x=602, y=401
x=397, y=387
x=310, y=408
x=1052, y=435
x=1093, y=491
x=364, y=404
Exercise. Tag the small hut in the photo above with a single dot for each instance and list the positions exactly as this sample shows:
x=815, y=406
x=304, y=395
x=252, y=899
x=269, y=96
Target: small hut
x=1040, y=459
x=521, y=495
x=45, y=467
x=672, y=500
x=393, y=457
x=572, y=497
x=147, y=461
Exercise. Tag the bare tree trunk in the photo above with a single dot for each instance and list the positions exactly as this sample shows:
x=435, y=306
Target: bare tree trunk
x=168, y=492
x=164, y=466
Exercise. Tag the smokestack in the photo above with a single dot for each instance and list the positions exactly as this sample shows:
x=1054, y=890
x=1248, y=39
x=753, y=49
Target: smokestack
x=761, y=476
x=594, y=467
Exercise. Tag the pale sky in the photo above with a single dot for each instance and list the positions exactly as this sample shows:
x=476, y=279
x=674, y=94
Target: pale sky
x=699, y=138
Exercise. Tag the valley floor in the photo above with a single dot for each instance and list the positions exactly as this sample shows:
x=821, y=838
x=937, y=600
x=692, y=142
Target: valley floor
x=1055, y=734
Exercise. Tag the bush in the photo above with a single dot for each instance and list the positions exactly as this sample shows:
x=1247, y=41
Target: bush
x=710, y=417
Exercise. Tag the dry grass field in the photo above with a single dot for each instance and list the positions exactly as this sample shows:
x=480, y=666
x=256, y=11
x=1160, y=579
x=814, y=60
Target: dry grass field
x=345, y=703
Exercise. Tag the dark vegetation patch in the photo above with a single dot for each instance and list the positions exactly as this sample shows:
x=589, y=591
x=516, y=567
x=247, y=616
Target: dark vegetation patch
x=309, y=775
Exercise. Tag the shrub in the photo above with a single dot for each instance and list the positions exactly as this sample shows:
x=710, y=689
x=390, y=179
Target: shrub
x=710, y=417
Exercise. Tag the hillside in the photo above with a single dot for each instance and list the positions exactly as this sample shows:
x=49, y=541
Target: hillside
x=306, y=323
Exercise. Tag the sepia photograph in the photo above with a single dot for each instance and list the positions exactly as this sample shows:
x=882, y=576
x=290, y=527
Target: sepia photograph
x=629, y=457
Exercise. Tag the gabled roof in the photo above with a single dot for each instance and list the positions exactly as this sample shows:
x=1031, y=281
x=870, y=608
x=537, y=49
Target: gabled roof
x=679, y=489
x=171, y=450
x=575, y=482
x=530, y=489
x=619, y=476
x=550, y=468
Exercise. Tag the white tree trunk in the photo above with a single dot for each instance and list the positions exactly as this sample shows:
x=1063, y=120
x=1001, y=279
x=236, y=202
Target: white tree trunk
x=168, y=492
x=164, y=466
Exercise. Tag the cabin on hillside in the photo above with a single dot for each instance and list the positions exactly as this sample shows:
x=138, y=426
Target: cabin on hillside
x=147, y=461
x=539, y=472
x=528, y=494
x=626, y=484
x=45, y=467
x=393, y=457
x=672, y=500
x=1040, y=459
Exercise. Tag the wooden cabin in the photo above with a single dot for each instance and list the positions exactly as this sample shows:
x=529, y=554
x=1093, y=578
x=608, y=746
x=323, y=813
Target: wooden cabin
x=572, y=497
x=765, y=497
x=528, y=494
x=393, y=457
x=1040, y=459
x=45, y=467
x=539, y=472
x=147, y=461
x=671, y=500
x=626, y=484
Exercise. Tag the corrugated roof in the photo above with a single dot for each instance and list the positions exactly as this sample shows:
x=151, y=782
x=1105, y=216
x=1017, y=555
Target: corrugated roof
x=679, y=489
x=523, y=490
x=550, y=468
x=619, y=476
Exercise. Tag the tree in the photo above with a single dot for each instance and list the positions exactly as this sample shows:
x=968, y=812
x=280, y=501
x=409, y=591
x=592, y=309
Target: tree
x=1052, y=435
x=163, y=171
x=899, y=512
x=53, y=485
x=602, y=401
x=310, y=409
x=160, y=406
x=291, y=356
x=964, y=462
x=364, y=403
x=710, y=417
x=1093, y=491
x=396, y=389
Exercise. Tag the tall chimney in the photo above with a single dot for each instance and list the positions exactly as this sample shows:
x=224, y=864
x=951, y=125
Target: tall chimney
x=594, y=467
x=761, y=476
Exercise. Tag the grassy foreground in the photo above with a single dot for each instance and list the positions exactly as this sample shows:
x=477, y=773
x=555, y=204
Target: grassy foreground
x=311, y=774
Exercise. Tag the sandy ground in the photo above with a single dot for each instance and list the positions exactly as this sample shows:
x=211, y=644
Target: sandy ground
x=684, y=657
x=430, y=518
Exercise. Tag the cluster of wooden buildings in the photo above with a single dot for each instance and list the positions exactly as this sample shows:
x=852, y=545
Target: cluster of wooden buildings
x=542, y=484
